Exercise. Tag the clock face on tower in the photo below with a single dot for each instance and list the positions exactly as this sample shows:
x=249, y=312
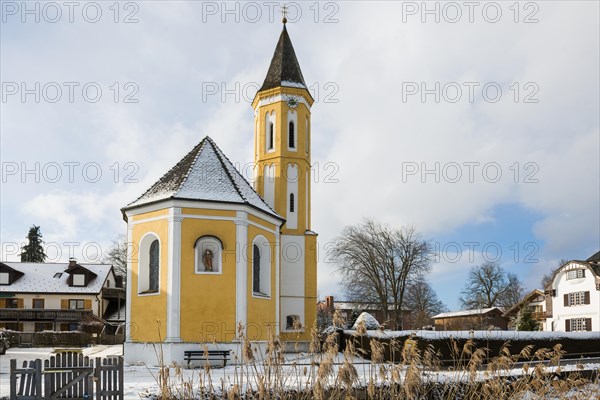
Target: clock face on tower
x=292, y=102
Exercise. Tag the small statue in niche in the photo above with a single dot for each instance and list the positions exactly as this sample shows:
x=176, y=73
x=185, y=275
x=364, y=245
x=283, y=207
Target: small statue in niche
x=207, y=260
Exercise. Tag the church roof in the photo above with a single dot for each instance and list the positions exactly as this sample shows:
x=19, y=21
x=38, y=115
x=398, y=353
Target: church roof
x=284, y=69
x=205, y=174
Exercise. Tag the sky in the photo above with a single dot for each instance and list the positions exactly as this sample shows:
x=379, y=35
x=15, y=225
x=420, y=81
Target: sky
x=475, y=123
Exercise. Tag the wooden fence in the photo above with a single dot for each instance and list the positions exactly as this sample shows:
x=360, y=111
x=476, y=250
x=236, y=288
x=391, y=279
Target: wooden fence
x=68, y=375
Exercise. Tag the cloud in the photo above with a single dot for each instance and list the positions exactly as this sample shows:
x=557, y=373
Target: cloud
x=364, y=125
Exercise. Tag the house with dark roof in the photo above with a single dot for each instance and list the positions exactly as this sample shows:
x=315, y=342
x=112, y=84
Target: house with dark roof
x=573, y=296
x=535, y=302
x=58, y=296
x=350, y=310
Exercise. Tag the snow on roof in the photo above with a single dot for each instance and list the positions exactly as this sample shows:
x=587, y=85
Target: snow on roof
x=488, y=334
x=52, y=278
x=205, y=173
x=464, y=313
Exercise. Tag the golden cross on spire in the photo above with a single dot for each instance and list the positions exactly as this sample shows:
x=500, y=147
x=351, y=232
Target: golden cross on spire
x=284, y=13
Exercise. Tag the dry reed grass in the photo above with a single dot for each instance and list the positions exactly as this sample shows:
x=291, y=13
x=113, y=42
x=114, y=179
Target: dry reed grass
x=475, y=374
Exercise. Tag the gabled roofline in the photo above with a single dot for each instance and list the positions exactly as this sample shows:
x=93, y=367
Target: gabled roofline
x=526, y=298
x=592, y=266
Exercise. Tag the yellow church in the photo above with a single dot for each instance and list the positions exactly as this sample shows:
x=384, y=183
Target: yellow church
x=210, y=251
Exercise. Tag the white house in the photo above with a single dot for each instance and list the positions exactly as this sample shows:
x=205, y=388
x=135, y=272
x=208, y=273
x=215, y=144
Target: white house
x=58, y=296
x=573, y=297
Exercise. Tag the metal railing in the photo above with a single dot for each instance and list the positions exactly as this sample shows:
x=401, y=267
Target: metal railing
x=20, y=314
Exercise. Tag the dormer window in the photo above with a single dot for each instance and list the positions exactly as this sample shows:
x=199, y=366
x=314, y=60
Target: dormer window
x=4, y=278
x=78, y=280
x=575, y=274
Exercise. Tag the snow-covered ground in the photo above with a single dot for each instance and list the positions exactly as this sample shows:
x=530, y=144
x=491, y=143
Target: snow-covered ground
x=142, y=380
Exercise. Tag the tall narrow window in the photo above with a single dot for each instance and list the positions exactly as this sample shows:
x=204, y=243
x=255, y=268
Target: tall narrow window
x=291, y=136
x=291, y=202
x=255, y=269
x=153, y=267
x=271, y=136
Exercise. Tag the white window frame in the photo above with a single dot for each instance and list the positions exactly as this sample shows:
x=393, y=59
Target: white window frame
x=76, y=302
x=78, y=279
x=265, y=268
x=270, y=142
x=575, y=274
x=578, y=325
x=292, y=119
x=144, y=264
x=213, y=244
x=576, y=299
x=4, y=278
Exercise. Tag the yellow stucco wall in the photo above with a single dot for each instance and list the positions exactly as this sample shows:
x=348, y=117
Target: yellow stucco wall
x=261, y=315
x=207, y=300
x=281, y=157
x=151, y=214
x=149, y=312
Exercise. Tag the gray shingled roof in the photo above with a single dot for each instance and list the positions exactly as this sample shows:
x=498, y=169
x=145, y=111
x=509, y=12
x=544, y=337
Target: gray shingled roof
x=284, y=69
x=594, y=257
x=205, y=174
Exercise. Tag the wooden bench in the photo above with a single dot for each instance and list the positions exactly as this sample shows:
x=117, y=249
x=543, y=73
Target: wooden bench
x=208, y=355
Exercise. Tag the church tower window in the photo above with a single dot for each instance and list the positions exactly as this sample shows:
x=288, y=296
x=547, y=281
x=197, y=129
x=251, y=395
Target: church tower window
x=291, y=202
x=291, y=136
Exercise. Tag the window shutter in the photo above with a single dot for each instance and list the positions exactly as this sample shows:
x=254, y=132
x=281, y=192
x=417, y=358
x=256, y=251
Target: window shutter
x=567, y=325
x=20, y=303
x=64, y=304
x=2, y=303
x=588, y=324
x=87, y=304
x=566, y=300
x=586, y=297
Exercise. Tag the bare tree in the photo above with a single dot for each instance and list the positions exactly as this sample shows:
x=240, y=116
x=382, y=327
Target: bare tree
x=117, y=256
x=547, y=278
x=489, y=285
x=423, y=301
x=377, y=263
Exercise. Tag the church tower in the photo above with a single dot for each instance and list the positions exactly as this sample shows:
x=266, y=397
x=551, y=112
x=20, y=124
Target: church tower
x=282, y=161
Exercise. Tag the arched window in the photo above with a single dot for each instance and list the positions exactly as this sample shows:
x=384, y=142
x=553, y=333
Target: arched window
x=261, y=267
x=255, y=269
x=208, y=255
x=271, y=138
x=153, y=267
x=291, y=135
x=291, y=202
x=149, y=264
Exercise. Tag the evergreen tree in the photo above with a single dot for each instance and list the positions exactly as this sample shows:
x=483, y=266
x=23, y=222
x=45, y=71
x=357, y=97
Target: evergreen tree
x=33, y=251
x=525, y=321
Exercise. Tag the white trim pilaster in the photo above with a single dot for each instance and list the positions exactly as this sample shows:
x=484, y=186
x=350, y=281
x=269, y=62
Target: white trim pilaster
x=130, y=250
x=241, y=268
x=277, y=279
x=174, y=276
